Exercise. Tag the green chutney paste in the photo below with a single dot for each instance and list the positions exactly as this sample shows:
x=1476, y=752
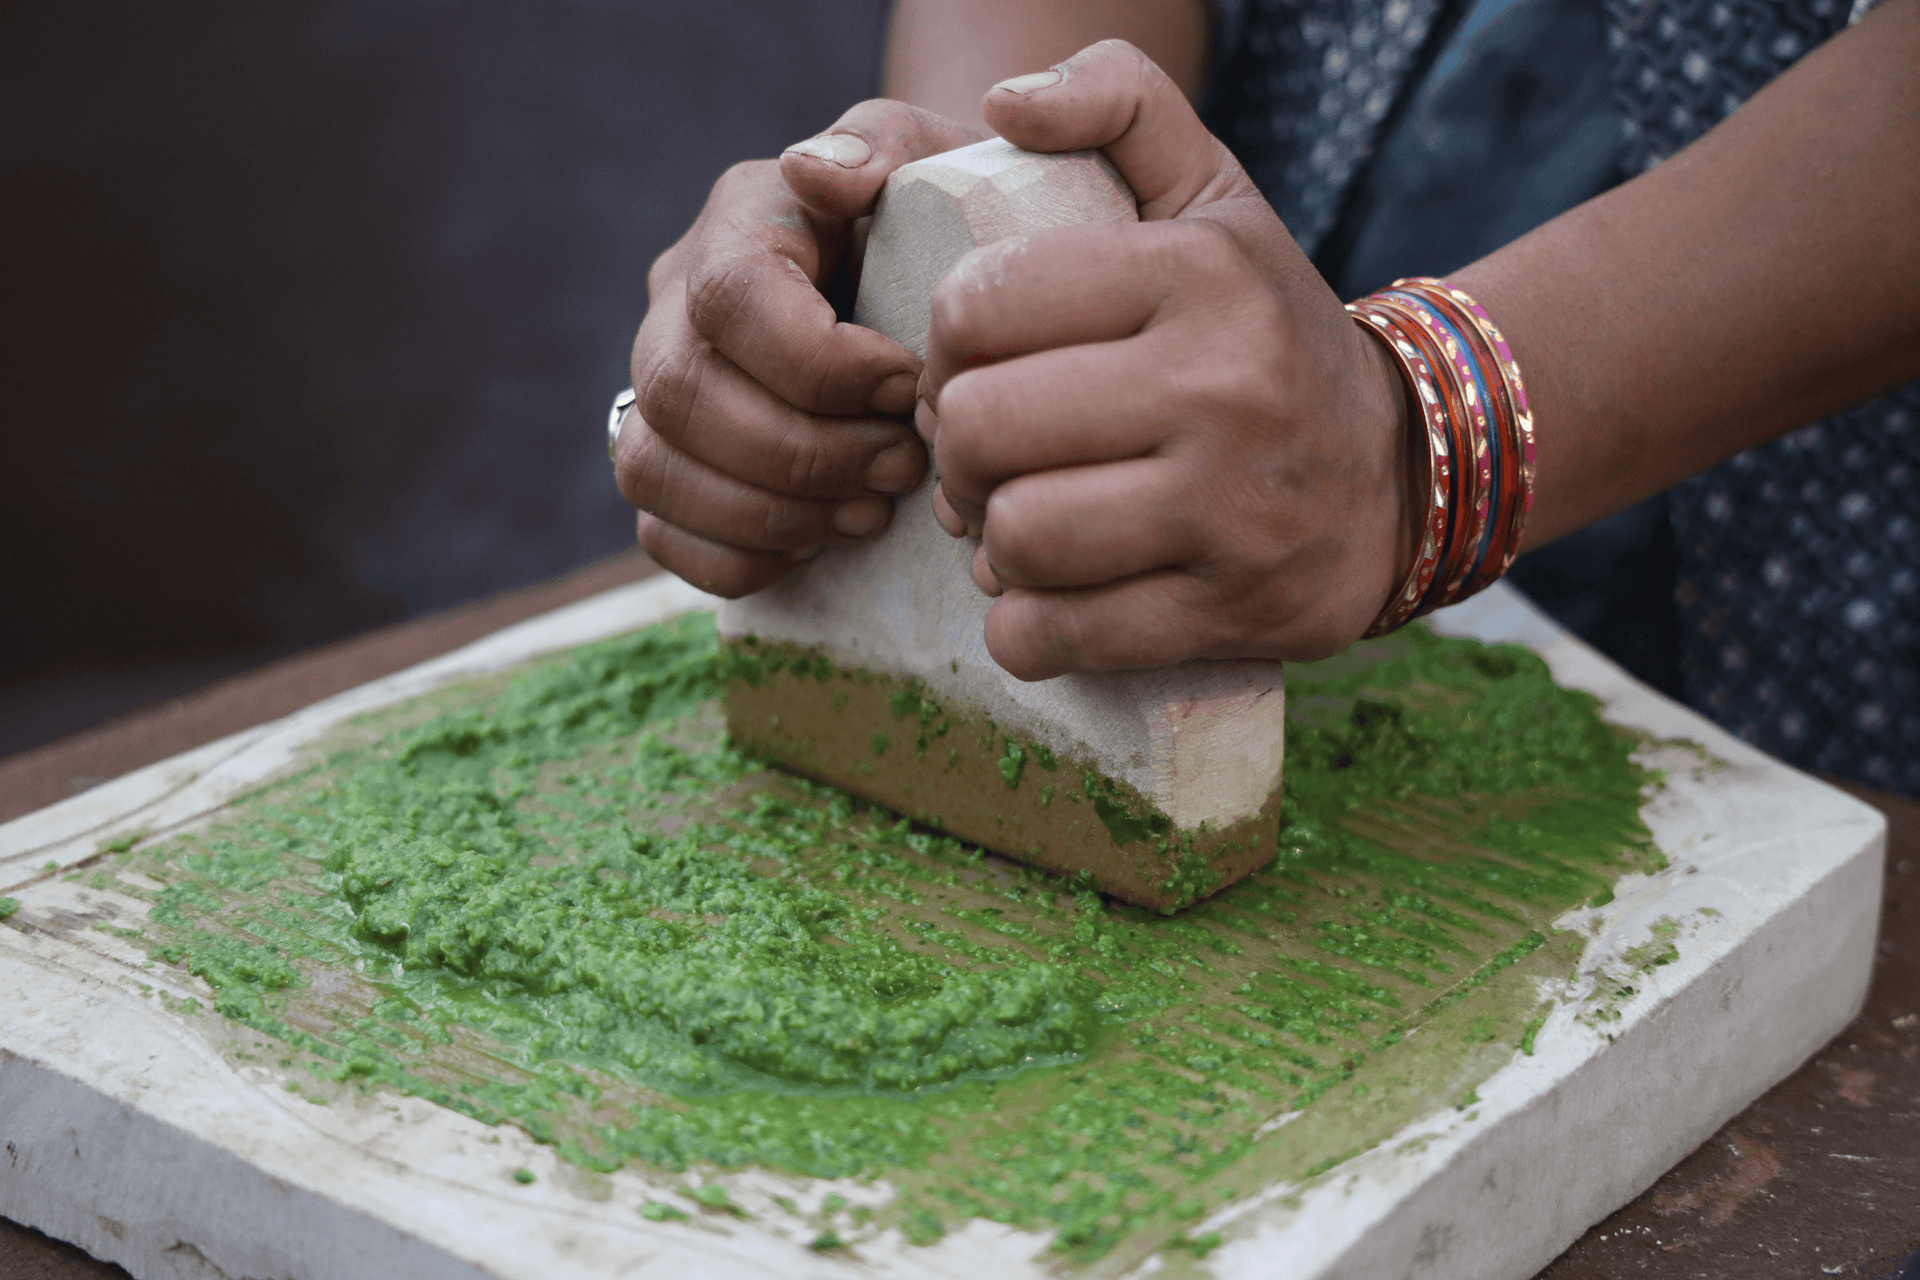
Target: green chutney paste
x=562, y=900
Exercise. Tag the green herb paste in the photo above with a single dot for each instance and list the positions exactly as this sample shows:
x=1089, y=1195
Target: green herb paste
x=563, y=901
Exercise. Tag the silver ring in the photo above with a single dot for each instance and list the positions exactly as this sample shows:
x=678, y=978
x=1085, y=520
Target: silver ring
x=621, y=403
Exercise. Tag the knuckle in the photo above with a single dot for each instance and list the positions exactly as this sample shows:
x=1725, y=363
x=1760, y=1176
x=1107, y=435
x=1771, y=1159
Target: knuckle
x=669, y=265
x=776, y=520
x=808, y=462
x=784, y=523
x=812, y=369
x=964, y=469
x=956, y=468
x=666, y=385
x=737, y=179
x=1017, y=558
x=662, y=271
x=642, y=468
x=949, y=314
x=1201, y=245
x=1013, y=541
x=736, y=185
x=963, y=406
x=656, y=540
x=716, y=297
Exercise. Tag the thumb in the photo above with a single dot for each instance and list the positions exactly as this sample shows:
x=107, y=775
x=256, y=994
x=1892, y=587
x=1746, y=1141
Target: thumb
x=1112, y=96
x=839, y=173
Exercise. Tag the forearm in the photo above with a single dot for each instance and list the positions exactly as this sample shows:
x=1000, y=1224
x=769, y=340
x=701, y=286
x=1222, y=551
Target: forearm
x=1764, y=277
x=944, y=54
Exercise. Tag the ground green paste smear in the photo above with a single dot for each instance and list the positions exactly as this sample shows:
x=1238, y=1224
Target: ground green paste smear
x=571, y=906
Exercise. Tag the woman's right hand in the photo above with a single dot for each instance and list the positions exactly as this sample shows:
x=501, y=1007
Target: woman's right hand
x=763, y=427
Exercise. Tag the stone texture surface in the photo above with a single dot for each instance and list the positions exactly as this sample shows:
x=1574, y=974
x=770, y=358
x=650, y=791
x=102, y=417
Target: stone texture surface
x=935, y=211
x=1821, y=1176
x=127, y=1133
x=1202, y=742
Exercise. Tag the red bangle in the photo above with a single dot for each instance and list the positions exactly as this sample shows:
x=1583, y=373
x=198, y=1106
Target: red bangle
x=1424, y=398
x=1516, y=387
x=1473, y=466
x=1479, y=365
x=1478, y=423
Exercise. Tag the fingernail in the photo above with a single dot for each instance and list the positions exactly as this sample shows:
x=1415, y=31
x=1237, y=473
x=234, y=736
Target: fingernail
x=985, y=576
x=860, y=517
x=1031, y=83
x=803, y=553
x=944, y=513
x=843, y=149
x=895, y=395
x=894, y=468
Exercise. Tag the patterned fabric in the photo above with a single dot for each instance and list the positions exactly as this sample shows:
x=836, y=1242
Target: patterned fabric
x=1304, y=92
x=1799, y=578
x=1799, y=559
x=1800, y=594
x=1682, y=66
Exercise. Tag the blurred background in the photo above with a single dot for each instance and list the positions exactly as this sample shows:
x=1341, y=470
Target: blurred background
x=310, y=313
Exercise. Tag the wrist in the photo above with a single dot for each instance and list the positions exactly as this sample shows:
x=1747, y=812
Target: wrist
x=1408, y=462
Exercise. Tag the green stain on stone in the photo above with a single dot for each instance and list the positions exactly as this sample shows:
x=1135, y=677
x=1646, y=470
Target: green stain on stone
x=1528, y=1032
x=1013, y=762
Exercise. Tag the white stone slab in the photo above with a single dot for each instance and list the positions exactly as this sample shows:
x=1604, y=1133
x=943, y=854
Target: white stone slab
x=126, y=1129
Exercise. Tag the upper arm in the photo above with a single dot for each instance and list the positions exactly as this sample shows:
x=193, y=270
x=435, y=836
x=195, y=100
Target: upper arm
x=945, y=54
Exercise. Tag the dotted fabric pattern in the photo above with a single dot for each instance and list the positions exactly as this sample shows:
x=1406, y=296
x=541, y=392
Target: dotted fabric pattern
x=1682, y=66
x=1302, y=93
x=1799, y=594
x=1799, y=579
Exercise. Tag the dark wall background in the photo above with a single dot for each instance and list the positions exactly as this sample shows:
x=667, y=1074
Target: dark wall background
x=310, y=312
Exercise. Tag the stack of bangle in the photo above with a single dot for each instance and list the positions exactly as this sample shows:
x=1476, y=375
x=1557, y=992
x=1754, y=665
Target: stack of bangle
x=1477, y=432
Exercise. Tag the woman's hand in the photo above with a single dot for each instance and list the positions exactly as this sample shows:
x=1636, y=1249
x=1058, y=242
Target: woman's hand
x=1171, y=438
x=760, y=430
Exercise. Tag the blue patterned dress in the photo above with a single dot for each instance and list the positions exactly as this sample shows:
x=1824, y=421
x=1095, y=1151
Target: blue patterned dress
x=1779, y=592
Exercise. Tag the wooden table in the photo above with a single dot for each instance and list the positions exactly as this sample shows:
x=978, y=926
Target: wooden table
x=1821, y=1177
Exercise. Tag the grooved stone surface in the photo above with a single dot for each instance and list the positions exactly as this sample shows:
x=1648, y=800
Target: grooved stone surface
x=128, y=1132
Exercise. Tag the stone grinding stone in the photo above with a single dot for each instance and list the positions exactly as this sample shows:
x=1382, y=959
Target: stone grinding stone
x=1196, y=749
x=126, y=1129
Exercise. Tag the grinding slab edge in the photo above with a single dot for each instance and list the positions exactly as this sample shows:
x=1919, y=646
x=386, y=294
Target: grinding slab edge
x=100, y=1088
x=1617, y=1091
x=125, y=1132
